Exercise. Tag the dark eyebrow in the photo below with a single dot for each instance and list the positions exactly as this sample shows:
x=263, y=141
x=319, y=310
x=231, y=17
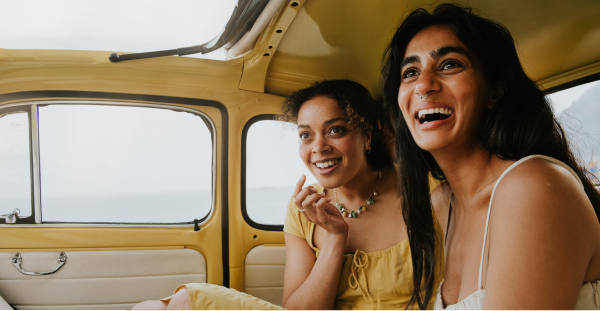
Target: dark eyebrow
x=410, y=60
x=324, y=123
x=437, y=53
x=334, y=120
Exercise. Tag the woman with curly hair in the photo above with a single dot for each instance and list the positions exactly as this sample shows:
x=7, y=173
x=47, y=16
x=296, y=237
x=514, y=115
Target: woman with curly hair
x=347, y=246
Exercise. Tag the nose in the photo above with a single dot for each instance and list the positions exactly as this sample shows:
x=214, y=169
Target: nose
x=320, y=144
x=427, y=84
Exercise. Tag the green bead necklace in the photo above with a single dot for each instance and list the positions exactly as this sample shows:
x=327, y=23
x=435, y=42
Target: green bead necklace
x=363, y=208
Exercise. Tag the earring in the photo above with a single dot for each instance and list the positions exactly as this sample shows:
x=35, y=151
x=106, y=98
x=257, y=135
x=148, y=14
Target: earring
x=369, y=149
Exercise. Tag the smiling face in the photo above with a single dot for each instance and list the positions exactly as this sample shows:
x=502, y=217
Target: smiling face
x=332, y=152
x=443, y=92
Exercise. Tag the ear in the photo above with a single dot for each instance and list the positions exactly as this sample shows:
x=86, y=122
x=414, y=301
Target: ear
x=496, y=94
x=368, y=139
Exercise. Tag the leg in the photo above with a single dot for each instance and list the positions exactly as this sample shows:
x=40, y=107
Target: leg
x=150, y=305
x=180, y=301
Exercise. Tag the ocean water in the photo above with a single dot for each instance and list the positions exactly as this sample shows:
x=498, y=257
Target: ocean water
x=265, y=205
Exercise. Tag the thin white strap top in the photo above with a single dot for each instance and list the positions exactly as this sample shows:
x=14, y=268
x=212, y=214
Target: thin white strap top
x=589, y=296
x=487, y=221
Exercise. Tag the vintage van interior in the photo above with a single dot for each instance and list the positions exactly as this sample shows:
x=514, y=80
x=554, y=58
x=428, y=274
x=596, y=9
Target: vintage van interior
x=120, y=180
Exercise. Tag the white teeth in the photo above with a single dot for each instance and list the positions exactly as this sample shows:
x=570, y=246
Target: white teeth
x=326, y=163
x=422, y=113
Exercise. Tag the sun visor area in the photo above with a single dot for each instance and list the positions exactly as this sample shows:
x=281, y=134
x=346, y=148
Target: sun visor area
x=246, y=43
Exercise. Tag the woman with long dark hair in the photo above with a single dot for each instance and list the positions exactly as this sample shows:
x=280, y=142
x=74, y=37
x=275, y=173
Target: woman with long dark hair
x=346, y=242
x=521, y=217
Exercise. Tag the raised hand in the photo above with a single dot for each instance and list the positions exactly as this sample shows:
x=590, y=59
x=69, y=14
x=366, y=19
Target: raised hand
x=316, y=208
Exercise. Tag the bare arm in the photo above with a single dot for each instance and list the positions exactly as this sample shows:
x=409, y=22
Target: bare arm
x=539, y=239
x=311, y=283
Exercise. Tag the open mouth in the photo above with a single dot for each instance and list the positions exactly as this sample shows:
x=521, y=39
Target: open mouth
x=327, y=164
x=434, y=114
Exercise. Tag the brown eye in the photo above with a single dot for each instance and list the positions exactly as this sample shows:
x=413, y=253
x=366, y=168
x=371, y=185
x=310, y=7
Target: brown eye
x=304, y=136
x=451, y=65
x=336, y=130
x=409, y=73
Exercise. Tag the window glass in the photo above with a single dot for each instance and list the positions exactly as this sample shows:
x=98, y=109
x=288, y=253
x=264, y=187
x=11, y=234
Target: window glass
x=578, y=111
x=15, y=170
x=113, y=25
x=124, y=164
x=273, y=168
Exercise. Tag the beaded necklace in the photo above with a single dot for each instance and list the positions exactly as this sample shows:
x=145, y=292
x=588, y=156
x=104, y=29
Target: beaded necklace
x=363, y=208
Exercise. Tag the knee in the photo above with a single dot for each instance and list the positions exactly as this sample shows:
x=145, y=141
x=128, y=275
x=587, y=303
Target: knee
x=180, y=301
x=150, y=305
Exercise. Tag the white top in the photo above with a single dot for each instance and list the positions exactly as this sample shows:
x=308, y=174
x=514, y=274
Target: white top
x=589, y=295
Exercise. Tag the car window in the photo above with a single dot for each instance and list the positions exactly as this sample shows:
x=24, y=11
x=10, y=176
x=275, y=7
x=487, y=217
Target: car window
x=273, y=168
x=108, y=163
x=15, y=169
x=578, y=111
x=124, y=164
x=118, y=26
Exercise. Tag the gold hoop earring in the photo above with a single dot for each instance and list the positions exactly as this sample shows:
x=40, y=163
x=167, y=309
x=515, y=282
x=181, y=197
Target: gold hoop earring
x=369, y=150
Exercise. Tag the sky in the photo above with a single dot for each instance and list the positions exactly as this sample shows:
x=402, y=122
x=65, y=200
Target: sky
x=112, y=25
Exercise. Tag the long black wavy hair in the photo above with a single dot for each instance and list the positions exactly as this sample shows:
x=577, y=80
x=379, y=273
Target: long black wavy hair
x=507, y=131
x=364, y=113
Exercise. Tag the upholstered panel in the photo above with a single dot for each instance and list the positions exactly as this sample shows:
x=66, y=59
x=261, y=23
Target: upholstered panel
x=98, y=279
x=4, y=305
x=263, y=273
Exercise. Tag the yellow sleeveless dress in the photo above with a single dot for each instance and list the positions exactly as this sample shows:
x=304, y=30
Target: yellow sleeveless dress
x=375, y=280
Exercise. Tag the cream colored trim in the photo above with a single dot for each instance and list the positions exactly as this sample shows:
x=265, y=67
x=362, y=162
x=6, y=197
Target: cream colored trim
x=275, y=245
x=570, y=75
x=35, y=149
x=4, y=305
x=116, y=306
x=263, y=273
x=246, y=43
x=99, y=278
x=91, y=249
x=256, y=63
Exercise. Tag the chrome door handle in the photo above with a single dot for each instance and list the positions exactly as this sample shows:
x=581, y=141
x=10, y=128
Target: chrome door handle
x=16, y=261
x=12, y=217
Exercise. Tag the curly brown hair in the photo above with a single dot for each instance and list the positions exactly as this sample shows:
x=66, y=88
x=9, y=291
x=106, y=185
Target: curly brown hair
x=364, y=113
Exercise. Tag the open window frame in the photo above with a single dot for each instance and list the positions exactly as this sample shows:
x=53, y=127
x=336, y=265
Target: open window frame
x=31, y=108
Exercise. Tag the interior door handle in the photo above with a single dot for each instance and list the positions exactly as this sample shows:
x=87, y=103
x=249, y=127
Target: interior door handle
x=17, y=259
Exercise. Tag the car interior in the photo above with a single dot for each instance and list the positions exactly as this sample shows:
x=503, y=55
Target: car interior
x=124, y=174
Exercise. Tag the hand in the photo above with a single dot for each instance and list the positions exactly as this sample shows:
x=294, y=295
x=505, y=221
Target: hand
x=318, y=210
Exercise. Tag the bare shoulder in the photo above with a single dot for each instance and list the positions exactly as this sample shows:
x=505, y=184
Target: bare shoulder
x=440, y=201
x=542, y=230
x=538, y=185
x=540, y=201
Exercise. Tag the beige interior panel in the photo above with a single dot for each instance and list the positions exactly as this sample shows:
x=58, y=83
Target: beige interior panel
x=98, y=279
x=4, y=305
x=263, y=273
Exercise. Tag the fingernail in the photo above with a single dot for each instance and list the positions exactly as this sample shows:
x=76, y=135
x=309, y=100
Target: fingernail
x=301, y=176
